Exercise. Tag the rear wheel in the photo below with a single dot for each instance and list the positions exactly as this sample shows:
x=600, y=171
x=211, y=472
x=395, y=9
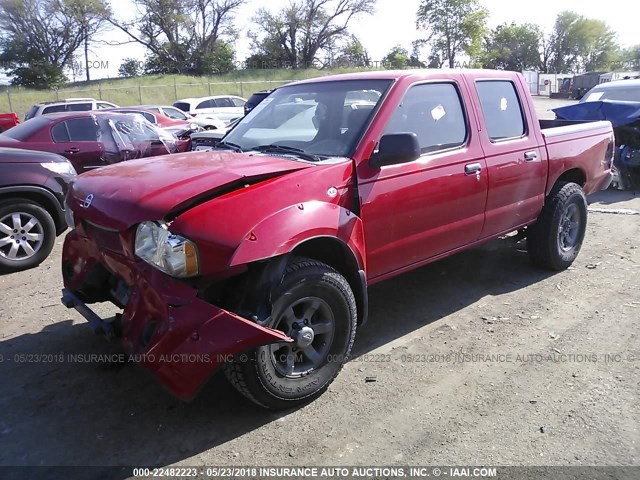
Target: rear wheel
x=316, y=307
x=554, y=241
x=27, y=235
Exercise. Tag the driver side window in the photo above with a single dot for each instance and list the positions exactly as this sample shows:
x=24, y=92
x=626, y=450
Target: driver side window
x=434, y=112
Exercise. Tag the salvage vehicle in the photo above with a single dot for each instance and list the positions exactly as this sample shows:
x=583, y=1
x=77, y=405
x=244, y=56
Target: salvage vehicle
x=206, y=121
x=93, y=139
x=624, y=116
x=33, y=186
x=207, y=140
x=257, y=256
x=179, y=128
x=8, y=120
x=619, y=90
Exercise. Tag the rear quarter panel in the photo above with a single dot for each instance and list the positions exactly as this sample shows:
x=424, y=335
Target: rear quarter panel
x=583, y=147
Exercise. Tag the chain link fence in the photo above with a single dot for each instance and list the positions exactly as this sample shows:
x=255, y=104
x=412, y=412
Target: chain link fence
x=15, y=99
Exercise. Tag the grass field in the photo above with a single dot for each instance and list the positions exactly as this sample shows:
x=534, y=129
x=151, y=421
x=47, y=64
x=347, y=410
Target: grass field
x=158, y=89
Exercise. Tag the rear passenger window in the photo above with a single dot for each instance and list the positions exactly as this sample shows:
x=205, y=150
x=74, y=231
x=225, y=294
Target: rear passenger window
x=206, y=104
x=433, y=111
x=501, y=109
x=59, y=132
x=223, y=102
x=82, y=130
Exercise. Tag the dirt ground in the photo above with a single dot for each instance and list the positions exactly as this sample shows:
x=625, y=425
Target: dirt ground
x=479, y=359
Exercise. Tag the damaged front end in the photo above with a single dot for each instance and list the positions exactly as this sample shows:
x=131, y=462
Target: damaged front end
x=180, y=337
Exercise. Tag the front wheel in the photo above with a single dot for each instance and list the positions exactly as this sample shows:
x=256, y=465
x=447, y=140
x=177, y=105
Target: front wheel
x=27, y=235
x=316, y=307
x=554, y=241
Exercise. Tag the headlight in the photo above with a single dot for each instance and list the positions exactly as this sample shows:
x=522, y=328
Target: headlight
x=193, y=126
x=60, y=167
x=171, y=253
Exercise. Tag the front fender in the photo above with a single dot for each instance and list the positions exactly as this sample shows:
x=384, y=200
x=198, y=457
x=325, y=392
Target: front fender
x=283, y=231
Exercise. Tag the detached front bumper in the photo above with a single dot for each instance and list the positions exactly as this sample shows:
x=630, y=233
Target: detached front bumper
x=181, y=338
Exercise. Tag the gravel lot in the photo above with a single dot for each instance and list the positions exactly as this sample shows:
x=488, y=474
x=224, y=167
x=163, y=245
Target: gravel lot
x=479, y=359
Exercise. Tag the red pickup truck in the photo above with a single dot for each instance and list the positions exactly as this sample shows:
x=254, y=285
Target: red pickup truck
x=8, y=120
x=256, y=256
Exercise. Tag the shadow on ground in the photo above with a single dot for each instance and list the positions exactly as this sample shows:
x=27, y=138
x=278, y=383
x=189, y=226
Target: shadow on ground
x=612, y=196
x=96, y=413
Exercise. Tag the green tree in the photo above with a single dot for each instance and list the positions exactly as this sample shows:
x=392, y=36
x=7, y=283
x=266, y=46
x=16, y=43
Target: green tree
x=130, y=67
x=453, y=27
x=630, y=58
x=397, y=58
x=38, y=38
x=184, y=36
x=298, y=33
x=513, y=47
x=353, y=54
x=582, y=44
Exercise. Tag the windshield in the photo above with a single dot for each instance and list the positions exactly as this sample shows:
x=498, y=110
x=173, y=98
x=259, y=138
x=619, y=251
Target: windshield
x=626, y=94
x=324, y=118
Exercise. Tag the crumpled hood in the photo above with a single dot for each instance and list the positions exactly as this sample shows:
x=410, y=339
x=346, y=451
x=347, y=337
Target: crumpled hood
x=121, y=195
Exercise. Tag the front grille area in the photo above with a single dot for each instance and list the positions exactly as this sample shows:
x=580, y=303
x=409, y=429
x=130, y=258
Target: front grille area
x=104, y=238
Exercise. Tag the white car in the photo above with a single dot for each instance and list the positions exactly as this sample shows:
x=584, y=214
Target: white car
x=68, y=105
x=208, y=122
x=226, y=107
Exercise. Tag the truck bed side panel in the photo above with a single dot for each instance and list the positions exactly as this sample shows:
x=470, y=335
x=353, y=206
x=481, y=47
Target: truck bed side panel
x=585, y=147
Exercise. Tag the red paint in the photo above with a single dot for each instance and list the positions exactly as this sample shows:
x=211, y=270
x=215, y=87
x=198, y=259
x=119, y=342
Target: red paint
x=244, y=208
x=8, y=120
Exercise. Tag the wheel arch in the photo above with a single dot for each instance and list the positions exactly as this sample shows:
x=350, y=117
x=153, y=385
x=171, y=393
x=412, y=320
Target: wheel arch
x=39, y=196
x=574, y=175
x=325, y=232
x=337, y=254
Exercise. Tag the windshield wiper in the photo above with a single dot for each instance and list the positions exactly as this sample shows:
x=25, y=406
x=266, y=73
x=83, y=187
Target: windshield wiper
x=229, y=146
x=286, y=149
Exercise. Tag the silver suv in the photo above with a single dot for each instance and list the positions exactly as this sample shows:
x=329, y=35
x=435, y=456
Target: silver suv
x=68, y=105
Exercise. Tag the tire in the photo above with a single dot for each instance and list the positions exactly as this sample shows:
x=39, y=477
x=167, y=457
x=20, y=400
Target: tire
x=22, y=248
x=311, y=299
x=554, y=241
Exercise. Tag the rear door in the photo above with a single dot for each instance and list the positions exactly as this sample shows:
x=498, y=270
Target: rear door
x=78, y=140
x=418, y=210
x=517, y=166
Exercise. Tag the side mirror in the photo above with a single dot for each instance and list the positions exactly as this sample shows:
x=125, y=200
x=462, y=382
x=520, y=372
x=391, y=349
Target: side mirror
x=396, y=148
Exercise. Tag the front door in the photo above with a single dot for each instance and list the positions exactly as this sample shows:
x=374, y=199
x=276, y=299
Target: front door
x=418, y=210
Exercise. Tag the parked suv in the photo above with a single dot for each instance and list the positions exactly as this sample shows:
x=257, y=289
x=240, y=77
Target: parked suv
x=33, y=186
x=68, y=105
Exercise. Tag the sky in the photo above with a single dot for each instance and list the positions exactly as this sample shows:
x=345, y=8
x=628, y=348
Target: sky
x=394, y=24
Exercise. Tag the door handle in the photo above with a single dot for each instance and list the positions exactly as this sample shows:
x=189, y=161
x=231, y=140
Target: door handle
x=72, y=150
x=529, y=156
x=472, y=168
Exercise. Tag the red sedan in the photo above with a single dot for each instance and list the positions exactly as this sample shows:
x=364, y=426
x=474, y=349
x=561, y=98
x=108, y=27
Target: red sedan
x=93, y=139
